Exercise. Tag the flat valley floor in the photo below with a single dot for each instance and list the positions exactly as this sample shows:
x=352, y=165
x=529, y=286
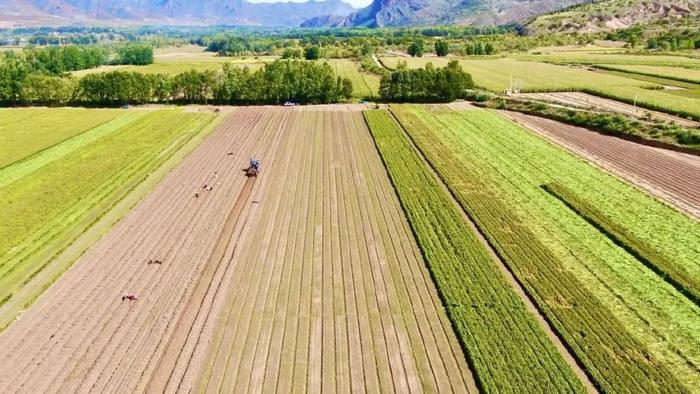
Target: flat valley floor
x=304, y=279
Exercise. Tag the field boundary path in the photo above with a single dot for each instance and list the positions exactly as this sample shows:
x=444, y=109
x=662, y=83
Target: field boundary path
x=670, y=176
x=585, y=100
x=508, y=274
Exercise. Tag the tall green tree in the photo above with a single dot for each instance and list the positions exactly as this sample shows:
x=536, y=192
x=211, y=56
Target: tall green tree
x=442, y=48
x=417, y=48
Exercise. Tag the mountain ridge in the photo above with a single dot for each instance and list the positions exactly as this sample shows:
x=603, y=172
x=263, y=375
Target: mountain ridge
x=15, y=13
x=431, y=12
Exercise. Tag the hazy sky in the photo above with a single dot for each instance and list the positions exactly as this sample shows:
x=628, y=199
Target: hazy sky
x=355, y=3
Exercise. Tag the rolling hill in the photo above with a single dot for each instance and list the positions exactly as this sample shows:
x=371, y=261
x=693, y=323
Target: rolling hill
x=611, y=15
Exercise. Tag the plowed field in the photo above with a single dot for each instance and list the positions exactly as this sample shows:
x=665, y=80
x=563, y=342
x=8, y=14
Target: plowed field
x=306, y=278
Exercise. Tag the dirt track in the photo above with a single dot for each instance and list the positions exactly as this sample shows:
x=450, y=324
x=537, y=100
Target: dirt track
x=672, y=176
x=321, y=284
x=585, y=100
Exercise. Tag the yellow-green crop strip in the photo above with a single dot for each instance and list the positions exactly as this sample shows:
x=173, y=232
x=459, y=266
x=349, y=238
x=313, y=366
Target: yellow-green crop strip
x=677, y=73
x=49, y=202
x=631, y=330
x=24, y=132
x=364, y=85
x=504, y=344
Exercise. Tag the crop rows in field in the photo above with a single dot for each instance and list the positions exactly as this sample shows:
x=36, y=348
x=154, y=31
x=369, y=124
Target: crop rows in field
x=24, y=132
x=502, y=340
x=617, y=59
x=498, y=74
x=80, y=336
x=678, y=73
x=364, y=85
x=50, y=199
x=667, y=269
x=321, y=286
x=577, y=276
x=328, y=291
x=667, y=175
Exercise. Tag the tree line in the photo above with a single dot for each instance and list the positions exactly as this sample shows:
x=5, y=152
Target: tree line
x=277, y=82
x=428, y=84
x=57, y=60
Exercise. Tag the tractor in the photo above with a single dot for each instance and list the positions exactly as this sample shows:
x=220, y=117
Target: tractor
x=253, y=168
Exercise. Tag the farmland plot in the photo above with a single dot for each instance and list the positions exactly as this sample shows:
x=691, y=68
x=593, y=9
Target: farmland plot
x=672, y=176
x=498, y=74
x=24, y=132
x=577, y=272
x=311, y=267
x=364, y=85
x=50, y=199
x=677, y=73
x=499, y=331
x=329, y=292
x=80, y=336
x=585, y=100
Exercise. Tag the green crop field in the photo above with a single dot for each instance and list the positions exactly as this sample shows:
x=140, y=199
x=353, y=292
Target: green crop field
x=678, y=73
x=364, y=85
x=620, y=59
x=24, y=132
x=496, y=75
x=630, y=328
x=502, y=339
x=176, y=60
x=174, y=68
x=49, y=199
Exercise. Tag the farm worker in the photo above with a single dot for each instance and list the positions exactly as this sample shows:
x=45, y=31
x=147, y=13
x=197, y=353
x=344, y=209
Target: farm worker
x=129, y=296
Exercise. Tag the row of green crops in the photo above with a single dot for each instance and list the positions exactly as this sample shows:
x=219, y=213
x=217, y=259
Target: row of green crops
x=503, y=342
x=612, y=311
x=24, y=132
x=667, y=269
x=51, y=205
x=499, y=74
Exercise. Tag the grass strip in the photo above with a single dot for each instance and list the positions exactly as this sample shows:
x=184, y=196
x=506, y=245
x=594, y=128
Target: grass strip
x=665, y=268
x=611, y=356
x=504, y=344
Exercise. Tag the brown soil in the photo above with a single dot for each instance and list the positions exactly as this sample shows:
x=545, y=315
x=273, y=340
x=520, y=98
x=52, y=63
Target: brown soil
x=306, y=279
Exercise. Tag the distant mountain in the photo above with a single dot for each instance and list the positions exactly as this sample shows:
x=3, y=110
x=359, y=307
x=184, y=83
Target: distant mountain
x=238, y=12
x=609, y=15
x=432, y=12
